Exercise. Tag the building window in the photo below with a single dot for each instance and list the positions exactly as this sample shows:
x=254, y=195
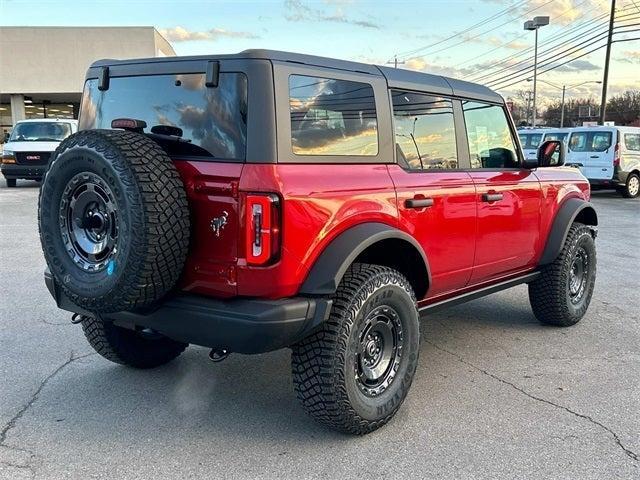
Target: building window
x=332, y=117
x=425, y=131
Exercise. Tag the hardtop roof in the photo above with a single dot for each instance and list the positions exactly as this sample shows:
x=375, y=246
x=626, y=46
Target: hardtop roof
x=396, y=77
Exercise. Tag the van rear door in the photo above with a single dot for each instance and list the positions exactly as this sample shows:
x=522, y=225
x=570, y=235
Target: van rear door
x=593, y=152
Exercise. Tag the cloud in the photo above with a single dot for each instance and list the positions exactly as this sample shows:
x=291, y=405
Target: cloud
x=630, y=56
x=298, y=11
x=562, y=12
x=578, y=66
x=181, y=34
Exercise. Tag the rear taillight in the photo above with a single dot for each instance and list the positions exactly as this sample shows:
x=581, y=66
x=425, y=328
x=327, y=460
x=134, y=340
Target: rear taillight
x=262, y=238
x=616, y=155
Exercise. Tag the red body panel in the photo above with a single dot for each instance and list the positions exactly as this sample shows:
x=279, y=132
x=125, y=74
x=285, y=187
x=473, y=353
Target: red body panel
x=468, y=242
x=508, y=229
x=446, y=230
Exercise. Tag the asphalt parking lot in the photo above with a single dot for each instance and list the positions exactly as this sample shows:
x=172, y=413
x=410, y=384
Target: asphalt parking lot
x=496, y=394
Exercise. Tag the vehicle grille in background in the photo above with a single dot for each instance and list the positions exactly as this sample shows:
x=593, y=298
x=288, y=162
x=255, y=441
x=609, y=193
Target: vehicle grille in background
x=32, y=158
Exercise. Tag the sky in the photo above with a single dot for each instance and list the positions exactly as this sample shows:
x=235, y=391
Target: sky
x=477, y=40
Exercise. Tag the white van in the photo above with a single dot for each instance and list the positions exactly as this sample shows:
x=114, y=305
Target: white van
x=530, y=140
x=561, y=134
x=607, y=156
x=27, y=150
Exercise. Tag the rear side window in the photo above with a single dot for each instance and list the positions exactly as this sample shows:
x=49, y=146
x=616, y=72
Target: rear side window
x=212, y=121
x=632, y=141
x=555, y=136
x=530, y=140
x=590, y=141
x=424, y=130
x=332, y=117
x=491, y=144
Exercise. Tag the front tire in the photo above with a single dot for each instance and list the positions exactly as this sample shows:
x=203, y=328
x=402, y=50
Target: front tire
x=632, y=187
x=130, y=347
x=355, y=371
x=11, y=182
x=561, y=294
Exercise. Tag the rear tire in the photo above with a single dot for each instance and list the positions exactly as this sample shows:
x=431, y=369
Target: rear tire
x=354, y=372
x=561, y=294
x=632, y=187
x=130, y=347
x=11, y=182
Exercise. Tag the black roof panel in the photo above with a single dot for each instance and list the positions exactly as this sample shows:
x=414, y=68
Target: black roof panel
x=396, y=77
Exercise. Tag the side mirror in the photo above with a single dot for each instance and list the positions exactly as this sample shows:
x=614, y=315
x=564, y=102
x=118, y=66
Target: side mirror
x=551, y=154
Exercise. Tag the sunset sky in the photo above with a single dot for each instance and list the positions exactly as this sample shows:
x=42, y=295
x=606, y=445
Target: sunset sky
x=431, y=36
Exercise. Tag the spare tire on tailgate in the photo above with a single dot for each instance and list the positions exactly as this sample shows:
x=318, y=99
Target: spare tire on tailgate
x=114, y=220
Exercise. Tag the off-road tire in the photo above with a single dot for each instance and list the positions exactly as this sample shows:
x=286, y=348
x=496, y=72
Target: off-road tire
x=550, y=293
x=153, y=224
x=630, y=190
x=323, y=364
x=11, y=182
x=130, y=347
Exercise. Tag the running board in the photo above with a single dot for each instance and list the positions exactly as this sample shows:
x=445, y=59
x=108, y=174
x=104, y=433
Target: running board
x=488, y=290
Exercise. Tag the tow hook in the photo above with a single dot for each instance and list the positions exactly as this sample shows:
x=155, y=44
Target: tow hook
x=76, y=318
x=218, y=354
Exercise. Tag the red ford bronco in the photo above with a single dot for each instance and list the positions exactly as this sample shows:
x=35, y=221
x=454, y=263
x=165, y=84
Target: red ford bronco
x=264, y=200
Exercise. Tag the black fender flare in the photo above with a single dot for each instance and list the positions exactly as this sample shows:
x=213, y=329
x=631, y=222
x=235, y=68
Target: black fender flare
x=567, y=214
x=329, y=268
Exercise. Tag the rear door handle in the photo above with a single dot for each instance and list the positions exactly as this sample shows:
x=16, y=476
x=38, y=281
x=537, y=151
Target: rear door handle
x=492, y=197
x=595, y=156
x=418, y=202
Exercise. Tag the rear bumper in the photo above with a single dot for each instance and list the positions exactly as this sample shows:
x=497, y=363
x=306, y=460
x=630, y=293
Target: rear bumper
x=239, y=325
x=29, y=172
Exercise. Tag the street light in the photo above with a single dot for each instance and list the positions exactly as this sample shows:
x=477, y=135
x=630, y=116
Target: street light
x=534, y=25
x=564, y=90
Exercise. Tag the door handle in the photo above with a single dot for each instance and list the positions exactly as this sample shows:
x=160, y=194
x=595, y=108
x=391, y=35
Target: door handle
x=492, y=197
x=595, y=156
x=418, y=202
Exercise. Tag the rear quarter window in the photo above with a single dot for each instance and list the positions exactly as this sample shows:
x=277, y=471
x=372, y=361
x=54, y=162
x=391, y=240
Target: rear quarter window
x=632, y=141
x=332, y=117
x=213, y=120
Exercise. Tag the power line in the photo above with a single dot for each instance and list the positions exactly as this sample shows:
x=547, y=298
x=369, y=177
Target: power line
x=472, y=27
x=568, y=61
x=525, y=72
x=519, y=37
x=552, y=40
x=483, y=33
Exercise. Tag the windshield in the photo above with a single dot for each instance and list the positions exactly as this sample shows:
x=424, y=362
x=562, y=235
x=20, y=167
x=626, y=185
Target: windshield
x=40, y=132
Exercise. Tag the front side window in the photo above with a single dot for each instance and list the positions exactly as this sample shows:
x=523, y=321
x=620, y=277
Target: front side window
x=424, y=130
x=40, y=132
x=332, y=117
x=632, y=141
x=209, y=122
x=491, y=144
x=578, y=142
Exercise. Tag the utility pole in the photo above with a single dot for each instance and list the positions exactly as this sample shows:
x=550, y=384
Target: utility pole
x=528, y=105
x=564, y=89
x=605, y=79
x=395, y=62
